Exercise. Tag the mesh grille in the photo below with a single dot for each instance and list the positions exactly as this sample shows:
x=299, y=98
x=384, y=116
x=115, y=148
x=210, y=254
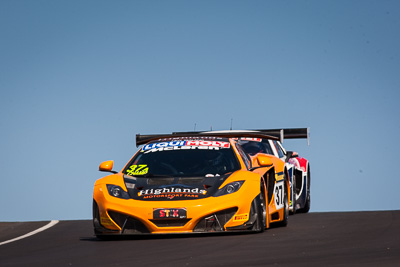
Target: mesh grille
x=215, y=222
x=129, y=225
x=275, y=216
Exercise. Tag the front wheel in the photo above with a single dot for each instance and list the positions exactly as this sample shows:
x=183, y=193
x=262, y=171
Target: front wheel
x=261, y=209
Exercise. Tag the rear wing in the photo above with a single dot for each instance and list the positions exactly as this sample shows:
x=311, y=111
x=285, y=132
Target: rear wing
x=142, y=139
x=281, y=134
x=289, y=133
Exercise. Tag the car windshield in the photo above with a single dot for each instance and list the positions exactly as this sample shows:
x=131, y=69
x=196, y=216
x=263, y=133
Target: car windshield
x=184, y=158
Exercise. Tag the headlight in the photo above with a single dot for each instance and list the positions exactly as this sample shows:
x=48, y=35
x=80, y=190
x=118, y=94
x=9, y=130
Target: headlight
x=229, y=188
x=117, y=191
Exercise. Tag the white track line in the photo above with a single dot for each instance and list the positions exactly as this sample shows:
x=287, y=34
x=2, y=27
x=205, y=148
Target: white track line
x=47, y=226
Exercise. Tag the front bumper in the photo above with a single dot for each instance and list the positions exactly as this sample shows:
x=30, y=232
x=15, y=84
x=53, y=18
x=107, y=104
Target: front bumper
x=113, y=215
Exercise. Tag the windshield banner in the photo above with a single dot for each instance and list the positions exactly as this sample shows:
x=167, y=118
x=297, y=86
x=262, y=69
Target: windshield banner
x=186, y=143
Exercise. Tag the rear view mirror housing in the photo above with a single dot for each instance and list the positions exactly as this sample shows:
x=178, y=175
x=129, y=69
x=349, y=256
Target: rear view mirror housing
x=263, y=160
x=107, y=166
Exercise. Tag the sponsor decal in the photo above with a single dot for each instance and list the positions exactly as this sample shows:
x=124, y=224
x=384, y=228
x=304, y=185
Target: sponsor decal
x=279, y=194
x=162, y=213
x=170, y=193
x=241, y=217
x=185, y=144
x=179, y=148
x=279, y=176
x=251, y=139
x=140, y=169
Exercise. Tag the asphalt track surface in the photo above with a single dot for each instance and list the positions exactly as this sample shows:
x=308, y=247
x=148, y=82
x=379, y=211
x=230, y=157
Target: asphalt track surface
x=314, y=239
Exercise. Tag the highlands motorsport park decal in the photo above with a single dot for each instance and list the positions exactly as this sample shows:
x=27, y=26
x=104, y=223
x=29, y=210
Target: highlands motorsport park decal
x=177, y=192
x=185, y=144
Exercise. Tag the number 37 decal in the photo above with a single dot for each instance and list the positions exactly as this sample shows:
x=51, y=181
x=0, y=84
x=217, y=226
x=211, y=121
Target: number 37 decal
x=140, y=169
x=279, y=192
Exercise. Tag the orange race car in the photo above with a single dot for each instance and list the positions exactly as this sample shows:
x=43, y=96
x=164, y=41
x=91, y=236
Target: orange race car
x=191, y=183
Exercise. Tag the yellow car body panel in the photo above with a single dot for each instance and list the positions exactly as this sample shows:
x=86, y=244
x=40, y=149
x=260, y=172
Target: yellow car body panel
x=196, y=209
x=279, y=174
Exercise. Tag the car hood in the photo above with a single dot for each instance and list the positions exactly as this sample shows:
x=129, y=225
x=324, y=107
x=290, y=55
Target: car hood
x=172, y=188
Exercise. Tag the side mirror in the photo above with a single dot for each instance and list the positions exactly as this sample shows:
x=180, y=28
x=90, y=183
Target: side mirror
x=107, y=166
x=263, y=160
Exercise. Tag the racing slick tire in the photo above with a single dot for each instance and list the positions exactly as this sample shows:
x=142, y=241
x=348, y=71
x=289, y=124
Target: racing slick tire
x=96, y=223
x=96, y=220
x=307, y=205
x=261, y=209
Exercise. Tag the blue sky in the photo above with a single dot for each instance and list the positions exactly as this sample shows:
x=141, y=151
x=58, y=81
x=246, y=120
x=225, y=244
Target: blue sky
x=78, y=80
